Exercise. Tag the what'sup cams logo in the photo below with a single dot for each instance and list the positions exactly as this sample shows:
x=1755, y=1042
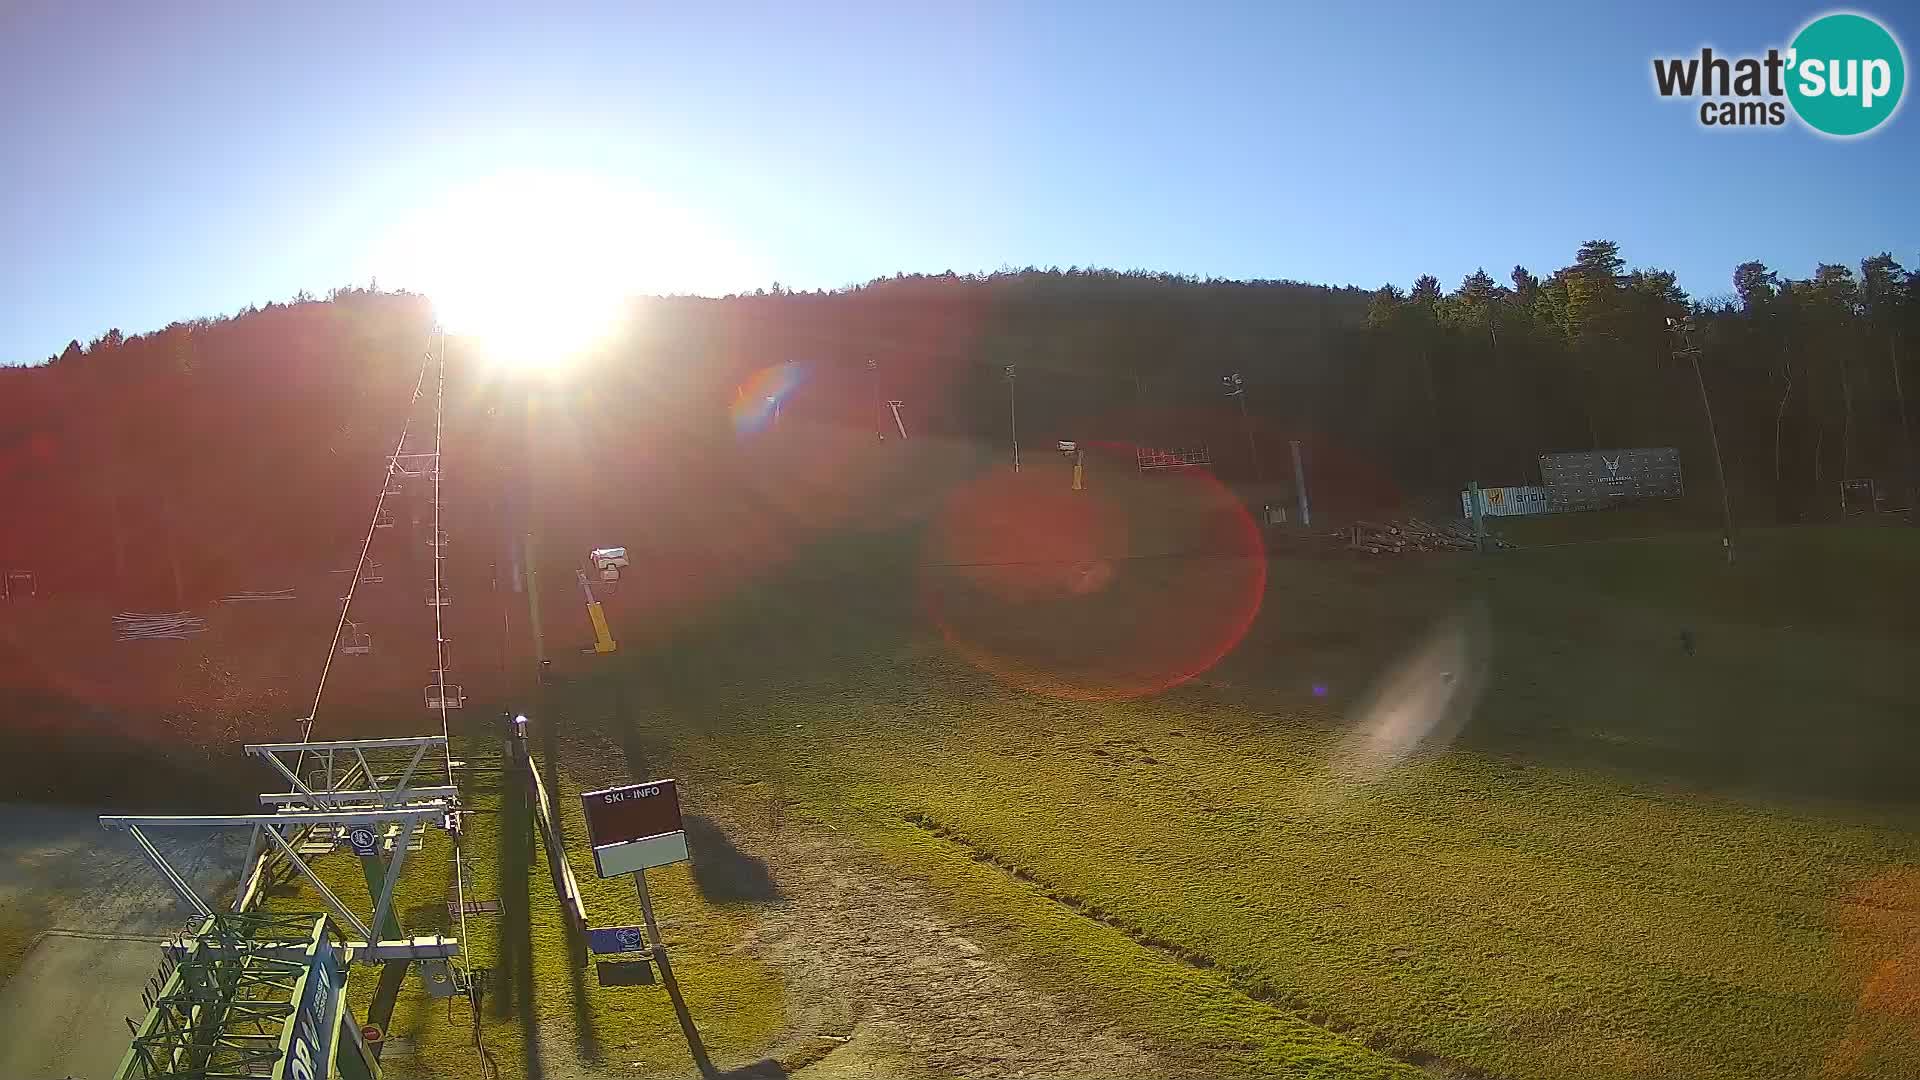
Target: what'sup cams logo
x=1842, y=76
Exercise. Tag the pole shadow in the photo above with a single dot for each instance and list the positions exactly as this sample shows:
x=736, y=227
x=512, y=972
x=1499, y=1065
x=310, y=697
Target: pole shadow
x=695, y=1046
x=516, y=915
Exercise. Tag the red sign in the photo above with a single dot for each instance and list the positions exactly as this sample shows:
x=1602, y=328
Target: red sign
x=623, y=815
x=371, y=1034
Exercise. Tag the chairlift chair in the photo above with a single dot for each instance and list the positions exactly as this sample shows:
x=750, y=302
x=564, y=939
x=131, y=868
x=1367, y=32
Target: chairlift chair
x=357, y=642
x=445, y=695
x=18, y=585
x=383, y=519
x=438, y=597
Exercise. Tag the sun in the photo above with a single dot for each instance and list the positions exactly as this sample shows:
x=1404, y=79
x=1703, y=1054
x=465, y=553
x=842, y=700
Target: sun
x=535, y=269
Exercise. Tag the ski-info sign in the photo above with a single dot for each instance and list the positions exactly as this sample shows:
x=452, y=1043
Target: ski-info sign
x=635, y=826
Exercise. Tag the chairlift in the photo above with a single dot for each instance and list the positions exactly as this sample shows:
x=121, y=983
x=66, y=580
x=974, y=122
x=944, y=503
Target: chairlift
x=438, y=597
x=441, y=695
x=357, y=642
x=390, y=837
x=369, y=573
x=18, y=585
x=384, y=518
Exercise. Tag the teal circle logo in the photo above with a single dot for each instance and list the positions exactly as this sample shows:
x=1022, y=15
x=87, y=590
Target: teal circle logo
x=1846, y=74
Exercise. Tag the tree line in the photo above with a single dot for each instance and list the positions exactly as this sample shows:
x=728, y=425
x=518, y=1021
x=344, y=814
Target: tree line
x=168, y=463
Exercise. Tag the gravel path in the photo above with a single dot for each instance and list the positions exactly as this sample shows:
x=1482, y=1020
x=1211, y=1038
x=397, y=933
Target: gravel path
x=881, y=986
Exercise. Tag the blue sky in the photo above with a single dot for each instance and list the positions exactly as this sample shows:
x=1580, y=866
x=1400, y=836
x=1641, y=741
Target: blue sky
x=166, y=161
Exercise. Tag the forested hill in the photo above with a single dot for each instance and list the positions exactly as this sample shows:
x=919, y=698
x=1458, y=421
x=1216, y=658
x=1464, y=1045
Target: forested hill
x=162, y=463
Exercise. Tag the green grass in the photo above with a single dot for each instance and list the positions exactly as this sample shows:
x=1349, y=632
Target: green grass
x=17, y=935
x=1629, y=862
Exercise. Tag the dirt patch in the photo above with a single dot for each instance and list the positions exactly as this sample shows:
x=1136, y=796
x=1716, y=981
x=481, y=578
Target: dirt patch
x=880, y=985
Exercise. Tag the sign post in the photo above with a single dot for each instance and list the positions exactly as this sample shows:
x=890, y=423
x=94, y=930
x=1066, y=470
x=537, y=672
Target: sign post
x=632, y=828
x=646, y=910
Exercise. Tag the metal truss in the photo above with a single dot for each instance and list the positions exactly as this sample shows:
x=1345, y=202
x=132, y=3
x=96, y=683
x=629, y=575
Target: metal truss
x=269, y=827
x=336, y=786
x=223, y=1009
x=350, y=769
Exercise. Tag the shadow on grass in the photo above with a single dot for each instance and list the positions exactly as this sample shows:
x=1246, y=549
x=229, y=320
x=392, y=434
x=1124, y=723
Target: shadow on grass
x=587, y=1038
x=515, y=996
x=586, y=1035
x=393, y=974
x=722, y=872
x=695, y=1046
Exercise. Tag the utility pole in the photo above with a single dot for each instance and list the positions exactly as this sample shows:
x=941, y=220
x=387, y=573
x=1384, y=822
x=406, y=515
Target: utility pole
x=1237, y=388
x=1013, y=414
x=1907, y=482
x=1300, y=485
x=1684, y=329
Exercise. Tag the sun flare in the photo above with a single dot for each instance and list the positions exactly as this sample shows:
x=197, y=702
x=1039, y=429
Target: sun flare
x=536, y=269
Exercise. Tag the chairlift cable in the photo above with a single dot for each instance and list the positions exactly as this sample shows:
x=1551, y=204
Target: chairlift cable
x=359, y=567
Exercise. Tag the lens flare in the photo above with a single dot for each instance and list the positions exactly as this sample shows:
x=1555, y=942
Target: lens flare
x=1423, y=701
x=1094, y=595
x=1879, y=939
x=759, y=400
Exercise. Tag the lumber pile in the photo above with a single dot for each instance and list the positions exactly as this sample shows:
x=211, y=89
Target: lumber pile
x=1410, y=535
x=147, y=626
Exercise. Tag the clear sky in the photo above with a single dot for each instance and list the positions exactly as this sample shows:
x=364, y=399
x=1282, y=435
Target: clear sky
x=166, y=161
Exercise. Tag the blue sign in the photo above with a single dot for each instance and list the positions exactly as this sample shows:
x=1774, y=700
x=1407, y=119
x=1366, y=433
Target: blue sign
x=361, y=839
x=309, y=1053
x=616, y=939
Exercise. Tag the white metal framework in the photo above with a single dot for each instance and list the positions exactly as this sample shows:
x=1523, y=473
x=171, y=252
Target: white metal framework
x=275, y=828
x=335, y=787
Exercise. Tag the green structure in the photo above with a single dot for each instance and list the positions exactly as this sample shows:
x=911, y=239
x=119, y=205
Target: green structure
x=255, y=995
